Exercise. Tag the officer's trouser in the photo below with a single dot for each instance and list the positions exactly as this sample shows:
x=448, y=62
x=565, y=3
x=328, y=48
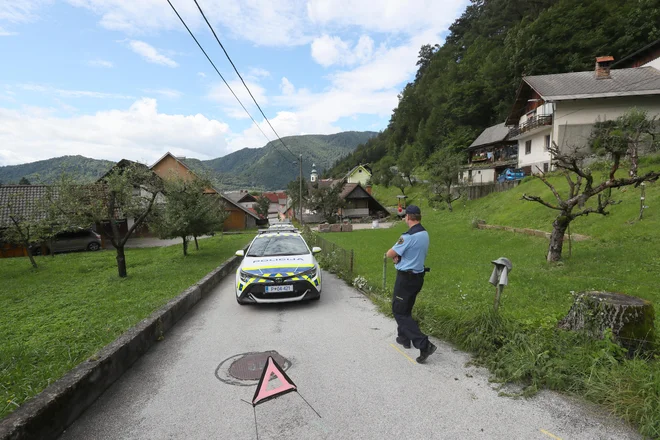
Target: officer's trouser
x=406, y=288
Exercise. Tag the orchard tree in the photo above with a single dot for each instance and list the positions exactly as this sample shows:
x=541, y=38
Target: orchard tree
x=326, y=200
x=263, y=206
x=188, y=210
x=608, y=139
x=127, y=191
x=443, y=167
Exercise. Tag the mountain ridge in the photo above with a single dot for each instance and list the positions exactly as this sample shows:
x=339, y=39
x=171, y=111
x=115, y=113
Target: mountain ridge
x=268, y=168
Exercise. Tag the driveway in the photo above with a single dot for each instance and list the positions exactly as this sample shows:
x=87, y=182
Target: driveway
x=347, y=369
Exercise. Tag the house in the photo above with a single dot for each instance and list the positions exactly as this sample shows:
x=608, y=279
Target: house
x=358, y=201
x=21, y=201
x=489, y=155
x=243, y=198
x=360, y=174
x=563, y=108
x=278, y=203
x=239, y=218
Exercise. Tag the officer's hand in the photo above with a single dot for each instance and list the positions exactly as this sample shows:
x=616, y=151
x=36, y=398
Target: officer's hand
x=396, y=259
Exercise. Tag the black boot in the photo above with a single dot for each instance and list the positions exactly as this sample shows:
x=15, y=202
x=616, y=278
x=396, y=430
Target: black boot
x=424, y=354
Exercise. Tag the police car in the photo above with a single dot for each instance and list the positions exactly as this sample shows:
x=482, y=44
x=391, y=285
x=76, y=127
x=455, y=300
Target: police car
x=278, y=266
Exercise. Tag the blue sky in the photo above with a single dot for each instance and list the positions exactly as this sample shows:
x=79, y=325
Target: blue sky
x=113, y=79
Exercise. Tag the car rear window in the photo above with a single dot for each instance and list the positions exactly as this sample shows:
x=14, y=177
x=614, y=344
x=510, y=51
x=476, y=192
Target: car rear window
x=267, y=246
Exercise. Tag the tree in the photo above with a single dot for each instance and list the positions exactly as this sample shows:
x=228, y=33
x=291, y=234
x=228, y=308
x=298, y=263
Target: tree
x=443, y=168
x=293, y=192
x=408, y=160
x=399, y=182
x=262, y=206
x=581, y=185
x=24, y=181
x=188, y=211
x=128, y=191
x=23, y=229
x=382, y=171
x=326, y=200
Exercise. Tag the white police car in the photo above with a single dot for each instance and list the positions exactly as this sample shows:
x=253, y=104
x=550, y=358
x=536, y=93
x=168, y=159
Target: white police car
x=278, y=267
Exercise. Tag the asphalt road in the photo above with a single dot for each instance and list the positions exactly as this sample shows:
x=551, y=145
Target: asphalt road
x=345, y=366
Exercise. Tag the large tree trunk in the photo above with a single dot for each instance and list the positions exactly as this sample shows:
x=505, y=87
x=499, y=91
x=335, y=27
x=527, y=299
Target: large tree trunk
x=630, y=318
x=196, y=244
x=557, y=237
x=185, y=245
x=121, y=262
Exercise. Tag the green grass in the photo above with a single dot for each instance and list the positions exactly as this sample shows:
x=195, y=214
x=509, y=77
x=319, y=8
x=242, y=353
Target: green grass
x=54, y=317
x=521, y=344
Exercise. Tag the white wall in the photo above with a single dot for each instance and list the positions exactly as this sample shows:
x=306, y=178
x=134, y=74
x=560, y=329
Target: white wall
x=588, y=111
x=655, y=63
x=479, y=176
x=539, y=155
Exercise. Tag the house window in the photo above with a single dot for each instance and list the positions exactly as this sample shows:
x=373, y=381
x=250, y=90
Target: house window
x=547, y=142
x=546, y=167
x=528, y=147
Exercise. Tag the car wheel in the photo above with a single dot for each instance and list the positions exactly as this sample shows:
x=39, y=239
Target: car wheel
x=94, y=246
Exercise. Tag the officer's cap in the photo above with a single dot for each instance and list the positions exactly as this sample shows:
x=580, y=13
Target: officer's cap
x=412, y=209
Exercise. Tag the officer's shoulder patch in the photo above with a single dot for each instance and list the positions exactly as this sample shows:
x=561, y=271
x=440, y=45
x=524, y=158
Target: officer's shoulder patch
x=400, y=241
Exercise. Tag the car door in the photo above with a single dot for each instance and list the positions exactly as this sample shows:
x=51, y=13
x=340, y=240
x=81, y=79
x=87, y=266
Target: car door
x=61, y=242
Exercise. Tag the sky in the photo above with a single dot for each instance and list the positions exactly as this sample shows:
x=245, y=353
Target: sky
x=115, y=79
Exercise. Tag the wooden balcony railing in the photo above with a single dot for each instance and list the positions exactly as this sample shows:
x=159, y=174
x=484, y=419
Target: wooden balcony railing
x=530, y=124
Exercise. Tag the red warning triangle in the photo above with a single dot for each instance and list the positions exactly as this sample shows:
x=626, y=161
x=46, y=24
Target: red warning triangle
x=263, y=393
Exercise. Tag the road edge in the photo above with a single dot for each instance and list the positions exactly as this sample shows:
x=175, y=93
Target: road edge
x=50, y=412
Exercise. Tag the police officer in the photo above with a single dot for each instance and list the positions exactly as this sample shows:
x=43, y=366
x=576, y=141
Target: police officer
x=408, y=255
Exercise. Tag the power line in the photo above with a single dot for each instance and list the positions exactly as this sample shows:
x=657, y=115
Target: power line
x=239, y=75
x=223, y=78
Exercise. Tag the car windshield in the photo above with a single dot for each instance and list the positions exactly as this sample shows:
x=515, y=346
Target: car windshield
x=272, y=245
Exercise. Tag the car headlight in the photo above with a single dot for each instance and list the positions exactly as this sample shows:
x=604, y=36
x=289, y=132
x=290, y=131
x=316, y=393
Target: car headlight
x=244, y=276
x=310, y=272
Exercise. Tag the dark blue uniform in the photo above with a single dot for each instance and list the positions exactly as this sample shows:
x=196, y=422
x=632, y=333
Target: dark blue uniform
x=412, y=248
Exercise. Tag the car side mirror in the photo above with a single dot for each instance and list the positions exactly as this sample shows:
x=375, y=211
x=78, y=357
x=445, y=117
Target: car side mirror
x=316, y=250
x=240, y=253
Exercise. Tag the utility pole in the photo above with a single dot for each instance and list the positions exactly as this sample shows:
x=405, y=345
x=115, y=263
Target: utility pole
x=301, y=189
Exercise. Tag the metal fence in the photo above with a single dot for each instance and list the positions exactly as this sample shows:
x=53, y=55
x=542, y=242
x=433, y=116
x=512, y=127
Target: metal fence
x=333, y=257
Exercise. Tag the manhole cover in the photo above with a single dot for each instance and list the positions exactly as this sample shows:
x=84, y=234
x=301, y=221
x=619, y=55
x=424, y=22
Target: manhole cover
x=250, y=366
x=245, y=369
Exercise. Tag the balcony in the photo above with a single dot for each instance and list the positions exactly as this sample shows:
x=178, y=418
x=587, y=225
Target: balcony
x=530, y=124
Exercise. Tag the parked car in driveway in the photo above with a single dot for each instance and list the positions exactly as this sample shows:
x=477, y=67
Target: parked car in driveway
x=278, y=267
x=73, y=240
x=511, y=174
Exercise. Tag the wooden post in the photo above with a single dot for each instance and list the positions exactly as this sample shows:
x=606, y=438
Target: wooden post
x=351, y=262
x=498, y=293
x=384, y=271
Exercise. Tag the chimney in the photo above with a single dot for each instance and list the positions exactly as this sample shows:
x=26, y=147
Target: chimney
x=368, y=188
x=603, y=67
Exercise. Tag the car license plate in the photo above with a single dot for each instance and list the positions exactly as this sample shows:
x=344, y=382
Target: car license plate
x=274, y=289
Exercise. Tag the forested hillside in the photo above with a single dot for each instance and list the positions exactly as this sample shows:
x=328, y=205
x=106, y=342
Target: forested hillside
x=48, y=171
x=469, y=83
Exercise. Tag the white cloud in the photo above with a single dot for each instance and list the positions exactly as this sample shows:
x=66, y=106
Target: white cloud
x=100, y=63
x=150, y=53
x=222, y=95
x=138, y=133
x=5, y=33
x=258, y=72
x=65, y=93
x=408, y=17
x=201, y=74
x=22, y=11
x=327, y=50
x=286, y=86
x=166, y=93
x=264, y=22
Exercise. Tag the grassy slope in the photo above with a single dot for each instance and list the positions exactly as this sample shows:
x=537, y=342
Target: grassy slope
x=622, y=256
x=55, y=317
